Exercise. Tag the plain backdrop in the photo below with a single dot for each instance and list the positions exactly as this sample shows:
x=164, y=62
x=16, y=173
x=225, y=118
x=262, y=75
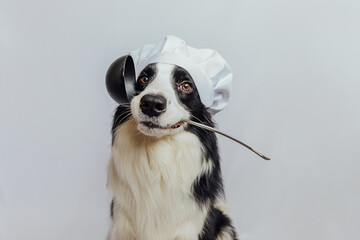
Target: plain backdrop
x=295, y=98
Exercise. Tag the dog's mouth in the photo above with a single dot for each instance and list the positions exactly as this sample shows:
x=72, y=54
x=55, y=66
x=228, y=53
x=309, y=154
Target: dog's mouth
x=154, y=125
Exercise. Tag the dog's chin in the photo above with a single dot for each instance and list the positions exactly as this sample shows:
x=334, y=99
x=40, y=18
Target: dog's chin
x=155, y=130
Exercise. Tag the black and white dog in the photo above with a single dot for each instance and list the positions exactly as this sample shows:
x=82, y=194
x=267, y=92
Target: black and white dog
x=164, y=175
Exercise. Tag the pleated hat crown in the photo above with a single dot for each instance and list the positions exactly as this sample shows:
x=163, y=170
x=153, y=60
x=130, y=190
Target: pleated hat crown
x=210, y=72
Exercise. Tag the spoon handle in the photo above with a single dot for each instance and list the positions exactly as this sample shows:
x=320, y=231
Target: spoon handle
x=226, y=135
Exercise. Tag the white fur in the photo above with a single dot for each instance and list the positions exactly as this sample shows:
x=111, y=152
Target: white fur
x=150, y=179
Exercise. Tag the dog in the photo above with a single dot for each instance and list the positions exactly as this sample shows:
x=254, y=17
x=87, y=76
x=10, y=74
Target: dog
x=164, y=174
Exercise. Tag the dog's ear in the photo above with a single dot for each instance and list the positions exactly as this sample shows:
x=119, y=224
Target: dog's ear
x=120, y=79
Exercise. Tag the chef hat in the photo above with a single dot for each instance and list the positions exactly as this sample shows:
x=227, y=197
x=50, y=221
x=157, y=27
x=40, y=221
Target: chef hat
x=210, y=72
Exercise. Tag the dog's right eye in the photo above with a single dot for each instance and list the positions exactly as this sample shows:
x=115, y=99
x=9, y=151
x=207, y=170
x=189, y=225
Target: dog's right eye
x=144, y=80
x=185, y=87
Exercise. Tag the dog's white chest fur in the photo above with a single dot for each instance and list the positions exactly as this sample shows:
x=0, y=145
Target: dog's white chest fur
x=151, y=180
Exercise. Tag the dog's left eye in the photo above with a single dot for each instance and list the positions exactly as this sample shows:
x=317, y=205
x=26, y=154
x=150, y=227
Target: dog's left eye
x=185, y=87
x=144, y=80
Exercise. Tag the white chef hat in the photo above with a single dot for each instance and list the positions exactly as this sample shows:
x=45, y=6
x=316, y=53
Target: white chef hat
x=210, y=72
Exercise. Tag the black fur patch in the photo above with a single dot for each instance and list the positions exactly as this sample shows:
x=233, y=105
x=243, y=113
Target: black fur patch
x=215, y=222
x=208, y=186
x=149, y=72
x=122, y=114
x=112, y=208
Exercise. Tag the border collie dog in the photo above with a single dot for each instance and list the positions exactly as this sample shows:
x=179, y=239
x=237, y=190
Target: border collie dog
x=164, y=175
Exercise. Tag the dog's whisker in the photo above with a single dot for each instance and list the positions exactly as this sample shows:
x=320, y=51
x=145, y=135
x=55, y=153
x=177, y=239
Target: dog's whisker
x=125, y=104
x=198, y=119
x=126, y=116
x=126, y=110
x=200, y=122
x=138, y=133
x=207, y=119
x=122, y=114
x=226, y=135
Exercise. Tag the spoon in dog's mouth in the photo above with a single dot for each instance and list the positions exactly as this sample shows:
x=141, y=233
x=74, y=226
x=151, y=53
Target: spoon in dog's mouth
x=177, y=125
x=180, y=123
x=154, y=125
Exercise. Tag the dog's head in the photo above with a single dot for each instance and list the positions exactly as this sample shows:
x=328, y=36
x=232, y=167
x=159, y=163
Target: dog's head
x=159, y=82
x=166, y=97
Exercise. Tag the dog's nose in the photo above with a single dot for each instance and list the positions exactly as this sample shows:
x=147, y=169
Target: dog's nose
x=153, y=105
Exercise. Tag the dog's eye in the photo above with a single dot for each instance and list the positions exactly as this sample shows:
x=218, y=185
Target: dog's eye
x=185, y=87
x=144, y=80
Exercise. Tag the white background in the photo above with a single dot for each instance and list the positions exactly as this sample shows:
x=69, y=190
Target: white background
x=295, y=97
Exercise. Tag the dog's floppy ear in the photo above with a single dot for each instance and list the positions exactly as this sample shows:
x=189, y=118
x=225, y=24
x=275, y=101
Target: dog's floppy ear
x=120, y=79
